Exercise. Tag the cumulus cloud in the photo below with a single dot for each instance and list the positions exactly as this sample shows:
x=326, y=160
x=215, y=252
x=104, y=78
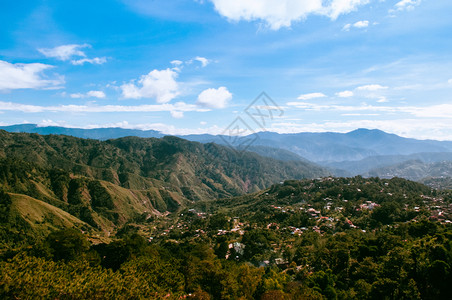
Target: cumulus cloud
x=359, y=24
x=93, y=94
x=407, y=4
x=371, y=87
x=158, y=84
x=345, y=94
x=96, y=94
x=449, y=81
x=26, y=76
x=204, y=61
x=311, y=96
x=214, y=98
x=68, y=52
x=282, y=13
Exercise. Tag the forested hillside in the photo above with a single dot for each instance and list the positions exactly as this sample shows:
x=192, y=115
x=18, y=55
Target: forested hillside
x=329, y=238
x=106, y=184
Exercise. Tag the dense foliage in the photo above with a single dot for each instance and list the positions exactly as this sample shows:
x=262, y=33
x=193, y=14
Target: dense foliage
x=389, y=264
x=192, y=170
x=127, y=218
x=251, y=248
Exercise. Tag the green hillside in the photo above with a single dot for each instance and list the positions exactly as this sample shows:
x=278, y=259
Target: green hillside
x=108, y=184
x=42, y=216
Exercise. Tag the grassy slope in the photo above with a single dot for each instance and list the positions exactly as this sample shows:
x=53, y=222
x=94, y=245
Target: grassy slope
x=142, y=177
x=40, y=215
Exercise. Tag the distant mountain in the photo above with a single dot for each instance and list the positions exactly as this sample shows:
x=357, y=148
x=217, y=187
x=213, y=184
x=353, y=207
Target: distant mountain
x=276, y=153
x=444, y=183
x=330, y=147
x=97, y=133
x=360, y=167
x=130, y=176
x=414, y=170
x=326, y=148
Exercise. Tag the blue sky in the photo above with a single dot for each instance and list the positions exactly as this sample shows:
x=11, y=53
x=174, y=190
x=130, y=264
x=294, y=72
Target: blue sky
x=192, y=66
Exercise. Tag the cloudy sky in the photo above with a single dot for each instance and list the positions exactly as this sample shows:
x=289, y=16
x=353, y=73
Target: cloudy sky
x=197, y=66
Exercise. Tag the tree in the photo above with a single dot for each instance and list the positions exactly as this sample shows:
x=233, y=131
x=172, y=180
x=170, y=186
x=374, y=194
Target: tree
x=67, y=244
x=5, y=206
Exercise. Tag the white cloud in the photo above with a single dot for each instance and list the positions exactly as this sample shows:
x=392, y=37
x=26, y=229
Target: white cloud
x=347, y=27
x=27, y=108
x=434, y=111
x=361, y=24
x=204, y=61
x=158, y=84
x=177, y=62
x=407, y=4
x=214, y=98
x=339, y=7
x=382, y=100
x=351, y=108
x=282, y=13
x=93, y=94
x=177, y=114
x=449, y=81
x=345, y=94
x=48, y=122
x=67, y=52
x=64, y=52
x=95, y=60
x=371, y=87
x=203, y=123
x=311, y=96
x=26, y=76
x=96, y=94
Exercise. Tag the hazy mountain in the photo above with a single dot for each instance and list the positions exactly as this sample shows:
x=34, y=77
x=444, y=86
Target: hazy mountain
x=326, y=147
x=444, y=183
x=337, y=147
x=414, y=170
x=365, y=165
x=276, y=153
x=97, y=133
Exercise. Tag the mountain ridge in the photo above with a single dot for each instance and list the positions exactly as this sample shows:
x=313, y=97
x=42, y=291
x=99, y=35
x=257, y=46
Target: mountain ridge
x=107, y=183
x=325, y=147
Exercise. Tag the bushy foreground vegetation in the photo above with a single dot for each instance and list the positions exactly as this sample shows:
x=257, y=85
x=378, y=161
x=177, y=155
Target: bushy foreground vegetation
x=389, y=264
x=251, y=249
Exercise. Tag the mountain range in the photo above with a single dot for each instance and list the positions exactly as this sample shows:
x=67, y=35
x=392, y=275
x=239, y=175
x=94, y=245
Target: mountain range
x=108, y=183
x=359, y=152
